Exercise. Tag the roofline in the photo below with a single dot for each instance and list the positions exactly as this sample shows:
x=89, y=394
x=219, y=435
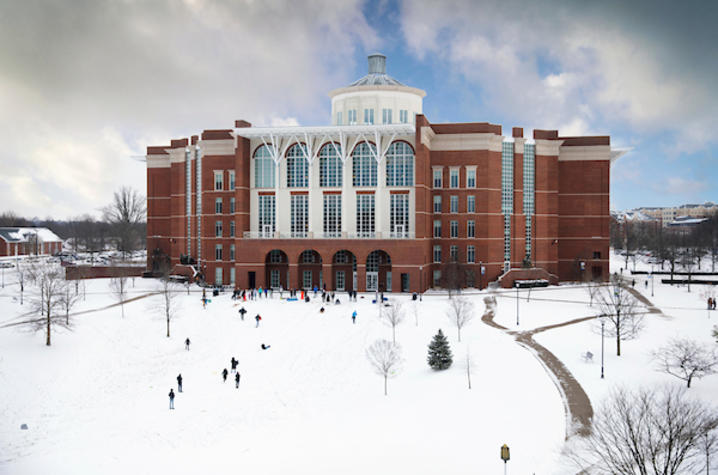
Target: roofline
x=385, y=87
x=298, y=131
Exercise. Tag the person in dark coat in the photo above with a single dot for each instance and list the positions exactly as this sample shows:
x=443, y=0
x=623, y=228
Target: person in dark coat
x=234, y=364
x=186, y=344
x=172, y=399
x=224, y=375
x=236, y=380
x=257, y=319
x=266, y=347
x=242, y=311
x=179, y=383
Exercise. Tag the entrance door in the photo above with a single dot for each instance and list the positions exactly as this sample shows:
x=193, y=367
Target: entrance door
x=404, y=282
x=399, y=231
x=339, y=280
x=267, y=231
x=372, y=281
x=252, y=279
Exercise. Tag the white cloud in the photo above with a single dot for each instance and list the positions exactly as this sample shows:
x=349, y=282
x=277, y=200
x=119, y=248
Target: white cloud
x=682, y=186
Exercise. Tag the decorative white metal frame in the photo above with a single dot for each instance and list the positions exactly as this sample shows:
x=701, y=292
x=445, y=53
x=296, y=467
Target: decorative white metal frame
x=343, y=139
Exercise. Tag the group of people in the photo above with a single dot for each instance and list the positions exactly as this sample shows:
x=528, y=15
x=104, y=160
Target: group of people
x=179, y=379
x=711, y=303
x=252, y=294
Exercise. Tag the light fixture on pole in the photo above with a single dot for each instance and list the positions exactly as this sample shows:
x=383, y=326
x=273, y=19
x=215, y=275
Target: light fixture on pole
x=505, y=456
x=517, y=303
x=603, y=324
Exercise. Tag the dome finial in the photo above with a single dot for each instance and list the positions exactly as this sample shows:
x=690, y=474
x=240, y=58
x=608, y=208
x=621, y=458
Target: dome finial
x=377, y=63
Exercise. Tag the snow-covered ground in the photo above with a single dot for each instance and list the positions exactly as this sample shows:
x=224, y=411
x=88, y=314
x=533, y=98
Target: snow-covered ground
x=96, y=400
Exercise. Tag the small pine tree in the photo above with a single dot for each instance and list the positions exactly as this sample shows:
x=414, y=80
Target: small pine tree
x=440, y=356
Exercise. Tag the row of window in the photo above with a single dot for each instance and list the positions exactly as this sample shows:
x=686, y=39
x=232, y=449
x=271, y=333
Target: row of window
x=219, y=180
x=218, y=229
x=218, y=252
x=218, y=276
x=386, y=117
x=332, y=219
x=454, y=254
x=219, y=205
x=438, y=177
x=454, y=204
x=399, y=166
x=454, y=229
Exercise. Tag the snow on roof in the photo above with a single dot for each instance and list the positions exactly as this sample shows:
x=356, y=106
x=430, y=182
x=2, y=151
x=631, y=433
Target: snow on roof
x=24, y=234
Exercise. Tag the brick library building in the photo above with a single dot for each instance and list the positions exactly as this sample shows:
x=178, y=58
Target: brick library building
x=381, y=199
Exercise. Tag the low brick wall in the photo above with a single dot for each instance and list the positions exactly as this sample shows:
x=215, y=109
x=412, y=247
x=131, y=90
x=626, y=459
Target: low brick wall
x=507, y=280
x=99, y=272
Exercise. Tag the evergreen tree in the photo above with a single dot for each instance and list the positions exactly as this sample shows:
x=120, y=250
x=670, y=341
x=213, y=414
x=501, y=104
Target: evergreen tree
x=440, y=356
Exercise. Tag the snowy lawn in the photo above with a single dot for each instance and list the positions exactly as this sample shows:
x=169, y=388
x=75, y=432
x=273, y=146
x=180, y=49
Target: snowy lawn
x=96, y=400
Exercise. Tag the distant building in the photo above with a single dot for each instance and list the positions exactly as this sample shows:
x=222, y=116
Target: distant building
x=381, y=199
x=25, y=241
x=670, y=214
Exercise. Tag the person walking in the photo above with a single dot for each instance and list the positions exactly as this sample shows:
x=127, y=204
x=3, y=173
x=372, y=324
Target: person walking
x=179, y=383
x=234, y=364
x=242, y=311
x=172, y=399
x=186, y=344
x=236, y=380
x=257, y=319
x=354, y=316
x=224, y=375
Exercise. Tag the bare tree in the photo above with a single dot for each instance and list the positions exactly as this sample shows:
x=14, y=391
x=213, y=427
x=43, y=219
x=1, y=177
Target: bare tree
x=686, y=359
x=460, y=312
x=392, y=315
x=50, y=282
x=168, y=293
x=646, y=432
x=689, y=265
x=118, y=286
x=22, y=274
x=68, y=300
x=385, y=357
x=619, y=309
x=592, y=287
x=126, y=214
x=469, y=365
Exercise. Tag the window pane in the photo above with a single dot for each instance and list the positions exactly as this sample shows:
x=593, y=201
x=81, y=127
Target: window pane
x=364, y=167
x=365, y=215
x=264, y=168
x=297, y=167
x=400, y=165
x=299, y=216
x=332, y=215
x=330, y=166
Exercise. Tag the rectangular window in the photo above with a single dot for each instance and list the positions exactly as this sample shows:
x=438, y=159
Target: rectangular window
x=231, y=252
x=437, y=254
x=231, y=205
x=454, y=229
x=267, y=216
x=218, y=180
x=218, y=229
x=454, y=204
x=218, y=206
x=332, y=216
x=231, y=180
x=218, y=276
x=365, y=216
x=470, y=229
x=231, y=229
x=399, y=216
x=471, y=178
x=368, y=116
x=274, y=278
x=352, y=116
x=330, y=167
x=454, y=177
x=596, y=254
x=437, y=203
x=218, y=252
x=437, y=228
x=403, y=116
x=307, y=279
x=299, y=216
x=339, y=118
x=471, y=204
x=454, y=253
x=438, y=172
x=232, y=276
x=339, y=281
x=386, y=116
x=470, y=254
x=437, y=278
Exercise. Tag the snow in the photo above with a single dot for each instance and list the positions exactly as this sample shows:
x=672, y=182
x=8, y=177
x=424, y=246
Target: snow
x=96, y=400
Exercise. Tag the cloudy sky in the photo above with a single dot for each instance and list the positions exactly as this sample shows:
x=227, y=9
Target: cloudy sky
x=86, y=85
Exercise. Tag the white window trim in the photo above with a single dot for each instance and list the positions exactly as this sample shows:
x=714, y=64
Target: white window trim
x=471, y=168
x=214, y=185
x=458, y=180
x=433, y=171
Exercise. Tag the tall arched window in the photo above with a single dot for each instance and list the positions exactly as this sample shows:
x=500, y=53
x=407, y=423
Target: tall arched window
x=364, y=167
x=330, y=166
x=297, y=167
x=264, y=168
x=400, y=165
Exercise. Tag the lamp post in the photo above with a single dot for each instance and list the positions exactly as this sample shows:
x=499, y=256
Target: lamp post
x=481, y=273
x=421, y=280
x=505, y=456
x=603, y=324
x=517, y=303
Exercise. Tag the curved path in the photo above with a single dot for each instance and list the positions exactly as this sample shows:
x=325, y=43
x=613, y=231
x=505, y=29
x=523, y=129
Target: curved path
x=579, y=411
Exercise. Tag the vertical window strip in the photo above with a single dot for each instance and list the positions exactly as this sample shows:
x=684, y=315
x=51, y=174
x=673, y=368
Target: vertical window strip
x=507, y=193
x=330, y=166
x=365, y=215
x=332, y=216
x=264, y=168
x=529, y=192
x=299, y=225
x=198, y=177
x=297, y=167
x=399, y=215
x=266, y=214
x=400, y=165
x=364, y=167
x=188, y=197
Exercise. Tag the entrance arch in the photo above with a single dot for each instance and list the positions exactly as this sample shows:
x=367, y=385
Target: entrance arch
x=276, y=269
x=309, y=270
x=378, y=271
x=344, y=270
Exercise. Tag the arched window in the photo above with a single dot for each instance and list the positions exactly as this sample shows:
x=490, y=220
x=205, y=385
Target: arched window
x=400, y=165
x=330, y=166
x=364, y=168
x=264, y=168
x=297, y=167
